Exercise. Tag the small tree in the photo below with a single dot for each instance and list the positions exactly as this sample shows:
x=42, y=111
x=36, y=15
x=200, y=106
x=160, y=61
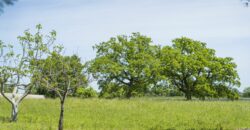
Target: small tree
x=16, y=70
x=61, y=74
x=76, y=63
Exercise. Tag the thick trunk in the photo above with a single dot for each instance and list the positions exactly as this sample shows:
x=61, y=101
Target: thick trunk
x=188, y=94
x=14, y=113
x=14, y=100
x=129, y=93
x=60, y=127
x=130, y=88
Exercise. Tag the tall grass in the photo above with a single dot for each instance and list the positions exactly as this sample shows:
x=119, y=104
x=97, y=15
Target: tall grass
x=134, y=114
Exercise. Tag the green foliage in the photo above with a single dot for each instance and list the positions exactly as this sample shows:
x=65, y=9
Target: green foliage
x=42, y=90
x=19, y=69
x=83, y=92
x=196, y=71
x=57, y=72
x=131, y=66
x=55, y=64
x=233, y=94
x=165, y=91
x=129, y=63
x=60, y=74
x=112, y=91
x=246, y=92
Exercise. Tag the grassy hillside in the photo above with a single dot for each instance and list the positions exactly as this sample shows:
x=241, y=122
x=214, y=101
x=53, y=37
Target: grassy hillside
x=134, y=114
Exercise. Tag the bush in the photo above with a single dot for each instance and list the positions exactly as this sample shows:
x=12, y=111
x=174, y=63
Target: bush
x=234, y=94
x=165, y=91
x=88, y=92
x=111, y=90
x=246, y=92
x=44, y=91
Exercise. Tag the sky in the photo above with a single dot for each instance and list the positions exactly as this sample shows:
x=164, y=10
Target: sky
x=223, y=24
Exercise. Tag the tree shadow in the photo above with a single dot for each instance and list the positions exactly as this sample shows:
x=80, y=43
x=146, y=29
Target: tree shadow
x=4, y=119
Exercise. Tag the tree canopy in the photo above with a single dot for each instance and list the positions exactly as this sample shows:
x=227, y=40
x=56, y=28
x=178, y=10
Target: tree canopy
x=54, y=65
x=195, y=70
x=129, y=63
x=61, y=75
x=132, y=66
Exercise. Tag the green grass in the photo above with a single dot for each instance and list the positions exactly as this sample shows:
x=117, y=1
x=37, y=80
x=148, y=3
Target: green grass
x=134, y=114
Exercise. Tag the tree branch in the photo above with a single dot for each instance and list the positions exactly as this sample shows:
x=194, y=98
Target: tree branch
x=3, y=94
x=27, y=91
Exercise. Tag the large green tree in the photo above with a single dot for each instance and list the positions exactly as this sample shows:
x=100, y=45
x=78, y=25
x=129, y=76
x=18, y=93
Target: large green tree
x=196, y=71
x=129, y=63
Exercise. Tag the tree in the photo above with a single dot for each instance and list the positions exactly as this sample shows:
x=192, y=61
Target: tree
x=246, y=92
x=111, y=90
x=79, y=68
x=6, y=2
x=162, y=90
x=61, y=74
x=16, y=70
x=85, y=92
x=196, y=71
x=130, y=63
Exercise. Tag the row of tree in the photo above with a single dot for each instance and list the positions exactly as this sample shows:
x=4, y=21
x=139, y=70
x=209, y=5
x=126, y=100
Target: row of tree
x=125, y=66
x=133, y=66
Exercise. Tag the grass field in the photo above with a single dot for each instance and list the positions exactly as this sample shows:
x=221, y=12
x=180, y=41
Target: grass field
x=134, y=114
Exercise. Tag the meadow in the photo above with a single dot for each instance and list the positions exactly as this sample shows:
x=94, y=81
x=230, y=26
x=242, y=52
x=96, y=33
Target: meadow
x=133, y=114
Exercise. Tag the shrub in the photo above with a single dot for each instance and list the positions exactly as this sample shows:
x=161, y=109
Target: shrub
x=246, y=92
x=88, y=92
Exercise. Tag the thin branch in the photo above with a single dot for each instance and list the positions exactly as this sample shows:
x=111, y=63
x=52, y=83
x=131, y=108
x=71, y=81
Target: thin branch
x=27, y=91
x=54, y=89
x=3, y=94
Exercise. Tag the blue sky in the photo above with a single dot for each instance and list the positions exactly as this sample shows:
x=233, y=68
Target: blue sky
x=223, y=24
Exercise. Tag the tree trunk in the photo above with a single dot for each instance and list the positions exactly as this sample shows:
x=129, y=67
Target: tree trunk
x=60, y=127
x=129, y=93
x=188, y=95
x=14, y=113
x=130, y=89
